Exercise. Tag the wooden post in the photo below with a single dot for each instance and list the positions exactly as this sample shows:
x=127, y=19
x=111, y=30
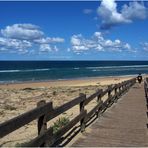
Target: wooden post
x=123, y=86
x=41, y=123
x=116, y=97
x=147, y=94
x=99, y=96
x=120, y=89
x=146, y=91
x=109, y=94
x=98, y=101
x=128, y=85
x=82, y=105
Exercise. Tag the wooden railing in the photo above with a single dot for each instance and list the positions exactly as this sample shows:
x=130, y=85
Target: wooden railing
x=146, y=88
x=45, y=112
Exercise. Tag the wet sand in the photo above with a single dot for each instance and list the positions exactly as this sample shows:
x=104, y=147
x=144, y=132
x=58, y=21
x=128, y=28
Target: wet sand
x=71, y=82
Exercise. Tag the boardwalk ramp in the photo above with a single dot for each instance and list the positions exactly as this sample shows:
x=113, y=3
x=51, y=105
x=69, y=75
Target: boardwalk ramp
x=124, y=124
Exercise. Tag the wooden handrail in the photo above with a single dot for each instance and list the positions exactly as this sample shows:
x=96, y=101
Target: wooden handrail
x=146, y=88
x=19, y=121
x=53, y=138
x=91, y=97
x=61, y=109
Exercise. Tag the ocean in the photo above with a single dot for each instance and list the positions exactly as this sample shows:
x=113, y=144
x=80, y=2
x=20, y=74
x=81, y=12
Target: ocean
x=22, y=71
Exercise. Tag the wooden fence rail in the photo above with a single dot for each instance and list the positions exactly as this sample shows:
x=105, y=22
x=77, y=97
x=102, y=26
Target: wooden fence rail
x=146, y=88
x=45, y=112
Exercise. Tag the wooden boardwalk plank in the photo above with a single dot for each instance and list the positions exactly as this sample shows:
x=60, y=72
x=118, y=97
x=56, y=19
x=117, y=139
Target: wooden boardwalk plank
x=124, y=124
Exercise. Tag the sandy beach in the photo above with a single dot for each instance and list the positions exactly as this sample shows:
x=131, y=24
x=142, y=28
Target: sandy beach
x=16, y=99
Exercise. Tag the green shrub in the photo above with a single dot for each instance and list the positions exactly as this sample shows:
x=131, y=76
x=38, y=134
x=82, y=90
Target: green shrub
x=61, y=122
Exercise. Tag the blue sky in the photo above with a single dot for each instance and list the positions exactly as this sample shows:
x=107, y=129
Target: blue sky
x=97, y=30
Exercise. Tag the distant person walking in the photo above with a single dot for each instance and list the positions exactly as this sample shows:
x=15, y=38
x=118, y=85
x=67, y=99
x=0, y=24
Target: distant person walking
x=139, y=78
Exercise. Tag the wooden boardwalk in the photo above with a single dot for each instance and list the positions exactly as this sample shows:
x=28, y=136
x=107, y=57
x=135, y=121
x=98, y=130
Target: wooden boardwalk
x=124, y=124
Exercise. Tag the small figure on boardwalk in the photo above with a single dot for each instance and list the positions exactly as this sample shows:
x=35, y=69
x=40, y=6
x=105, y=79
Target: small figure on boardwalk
x=139, y=78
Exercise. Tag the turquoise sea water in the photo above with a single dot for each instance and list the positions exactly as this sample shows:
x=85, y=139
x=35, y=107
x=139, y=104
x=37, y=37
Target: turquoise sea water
x=19, y=71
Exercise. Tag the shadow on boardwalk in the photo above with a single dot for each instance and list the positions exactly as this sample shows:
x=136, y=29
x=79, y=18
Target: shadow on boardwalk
x=124, y=124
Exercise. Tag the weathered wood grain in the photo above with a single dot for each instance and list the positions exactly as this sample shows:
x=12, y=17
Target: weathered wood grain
x=59, y=110
x=19, y=121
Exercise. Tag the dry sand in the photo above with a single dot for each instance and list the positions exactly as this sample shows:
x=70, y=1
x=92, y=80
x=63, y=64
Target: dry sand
x=16, y=99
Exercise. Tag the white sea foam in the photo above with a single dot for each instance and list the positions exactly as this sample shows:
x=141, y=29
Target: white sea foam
x=108, y=67
x=96, y=70
x=46, y=69
x=76, y=68
x=1, y=71
x=27, y=70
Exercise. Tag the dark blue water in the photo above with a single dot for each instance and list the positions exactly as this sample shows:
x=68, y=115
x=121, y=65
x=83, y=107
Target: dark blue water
x=18, y=71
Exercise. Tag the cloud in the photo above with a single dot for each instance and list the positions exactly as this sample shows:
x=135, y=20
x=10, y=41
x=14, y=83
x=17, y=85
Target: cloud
x=97, y=42
x=55, y=48
x=48, y=40
x=22, y=37
x=14, y=43
x=87, y=11
x=23, y=51
x=79, y=44
x=22, y=31
x=45, y=48
x=111, y=16
x=135, y=10
x=144, y=46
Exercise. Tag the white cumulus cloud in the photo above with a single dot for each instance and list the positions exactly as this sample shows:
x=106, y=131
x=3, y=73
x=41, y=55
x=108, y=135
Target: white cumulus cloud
x=48, y=40
x=14, y=43
x=135, y=10
x=22, y=37
x=97, y=42
x=111, y=16
x=45, y=48
x=22, y=31
x=145, y=46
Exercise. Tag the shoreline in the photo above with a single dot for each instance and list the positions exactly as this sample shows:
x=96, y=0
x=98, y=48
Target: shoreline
x=64, y=79
x=85, y=81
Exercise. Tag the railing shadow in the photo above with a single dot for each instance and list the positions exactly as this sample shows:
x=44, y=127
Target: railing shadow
x=63, y=141
x=68, y=137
